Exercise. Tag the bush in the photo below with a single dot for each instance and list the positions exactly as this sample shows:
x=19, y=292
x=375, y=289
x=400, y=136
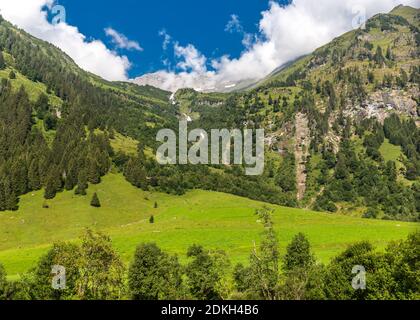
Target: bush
x=371, y=213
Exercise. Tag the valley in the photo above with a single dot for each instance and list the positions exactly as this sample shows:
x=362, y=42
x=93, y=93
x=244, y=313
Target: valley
x=340, y=180
x=214, y=220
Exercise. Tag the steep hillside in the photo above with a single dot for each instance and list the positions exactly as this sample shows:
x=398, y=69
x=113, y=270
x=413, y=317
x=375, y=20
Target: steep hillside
x=359, y=93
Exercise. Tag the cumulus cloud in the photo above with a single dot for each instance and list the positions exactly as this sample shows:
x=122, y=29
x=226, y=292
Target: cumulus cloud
x=121, y=41
x=285, y=33
x=92, y=56
x=191, y=59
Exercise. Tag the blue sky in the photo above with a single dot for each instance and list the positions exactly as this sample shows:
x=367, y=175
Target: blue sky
x=119, y=40
x=201, y=23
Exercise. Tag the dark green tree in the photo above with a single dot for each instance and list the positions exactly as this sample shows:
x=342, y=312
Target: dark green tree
x=2, y=62
x=82, y=183
x=42, y=106
x=95, y=201
x=34, y=178
x=154, y=275
x=379, y=57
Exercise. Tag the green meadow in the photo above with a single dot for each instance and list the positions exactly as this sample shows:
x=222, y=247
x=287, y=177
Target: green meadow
x=214, y=220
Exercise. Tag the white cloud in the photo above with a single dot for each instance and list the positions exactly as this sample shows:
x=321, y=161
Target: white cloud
x=121, y=41
x=192, y=59
x=285, y=33
x=166, y=39
x=92, y=56
x=234, y=26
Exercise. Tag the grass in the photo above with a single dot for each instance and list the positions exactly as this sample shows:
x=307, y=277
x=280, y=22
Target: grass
x=124, y=144
x=390, y=152
x=212, y=219
x=394, y=153
x=34, y=89
x=48, y=135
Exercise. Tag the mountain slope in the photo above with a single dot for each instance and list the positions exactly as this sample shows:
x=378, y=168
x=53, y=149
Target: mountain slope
x=358, y=93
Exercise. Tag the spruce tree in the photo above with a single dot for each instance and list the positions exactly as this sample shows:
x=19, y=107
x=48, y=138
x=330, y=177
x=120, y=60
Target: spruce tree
x=33, y=176
x=50, y=190
x=20, y=177
x=2, y=62
x=53, y=184
x=11, y=200
x=12, y=75
x=2, y=197
x=152, y=219
x=94, y=175
x=82, y=184
x=42, y=105
x=95, y=201
x=379, y=57
x=389, y=54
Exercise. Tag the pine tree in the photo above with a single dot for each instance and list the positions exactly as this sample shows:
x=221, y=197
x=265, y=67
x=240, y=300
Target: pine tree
x=20, y=177
x=2, y=62
x=71, y=176
x=2, y=197
x=94, y=176
x=50, y=190
x=33, y=176
x=389, y=54
x=12, y=75
x=95, y=201
x=82, y=184
x=53, y=184
x=379, y=57
x=371, y=76
x=152, y=219
x=276, y=107
x=50, y=122
x=11, y=200
x=42, y=106
x=135, y=173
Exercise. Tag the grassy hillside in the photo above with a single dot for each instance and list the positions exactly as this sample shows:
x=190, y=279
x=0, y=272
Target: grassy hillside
x=212, y=219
